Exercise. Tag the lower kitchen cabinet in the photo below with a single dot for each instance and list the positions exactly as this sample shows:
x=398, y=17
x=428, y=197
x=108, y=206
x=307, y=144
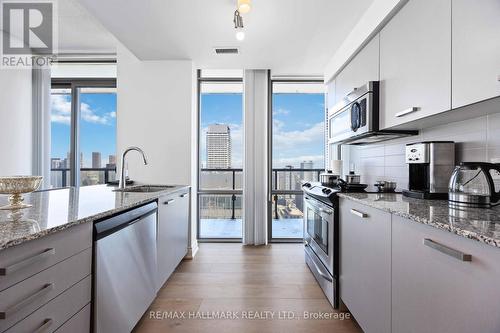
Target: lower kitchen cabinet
x=173, y=223
x=435, y=288
x=365, y=265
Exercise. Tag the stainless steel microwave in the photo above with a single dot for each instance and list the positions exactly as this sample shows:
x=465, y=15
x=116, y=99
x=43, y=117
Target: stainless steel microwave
x=355, y=119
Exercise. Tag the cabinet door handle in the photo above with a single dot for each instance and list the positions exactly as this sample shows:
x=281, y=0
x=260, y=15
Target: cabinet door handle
x=183, y=195
x=169, y=201
x=44, y=327
x=358, y=213
x=26, y=301
x=352, y=91
x=447, y=250
x=407, y=111
x=27, y=262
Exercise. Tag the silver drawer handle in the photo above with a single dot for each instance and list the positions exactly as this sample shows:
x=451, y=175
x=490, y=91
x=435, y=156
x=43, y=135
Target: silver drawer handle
x=26, y=301
x=27, y=262
x=183, y=195
x=407, y=111
x=45, y=326
x=358, y=213
x=447, y=250
x=323, y=275
x=169, y=201
x=325, y=211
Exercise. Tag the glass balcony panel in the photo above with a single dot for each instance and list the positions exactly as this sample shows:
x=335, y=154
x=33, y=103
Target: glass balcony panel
x=287, y=216
x=220, y=216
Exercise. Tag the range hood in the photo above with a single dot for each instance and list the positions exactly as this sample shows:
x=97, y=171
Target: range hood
x=355, y=119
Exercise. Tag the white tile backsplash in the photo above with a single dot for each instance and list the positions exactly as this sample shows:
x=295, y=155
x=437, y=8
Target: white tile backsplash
x=477, y=140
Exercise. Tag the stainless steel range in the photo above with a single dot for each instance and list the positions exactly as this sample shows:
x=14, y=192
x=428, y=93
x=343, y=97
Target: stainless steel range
x=321, y=236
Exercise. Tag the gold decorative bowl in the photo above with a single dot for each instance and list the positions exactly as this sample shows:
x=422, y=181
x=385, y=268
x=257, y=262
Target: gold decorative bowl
x=15, y=187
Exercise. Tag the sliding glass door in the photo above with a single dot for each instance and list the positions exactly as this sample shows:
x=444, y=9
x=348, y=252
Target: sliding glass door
x=297, y=150
x=220, y=170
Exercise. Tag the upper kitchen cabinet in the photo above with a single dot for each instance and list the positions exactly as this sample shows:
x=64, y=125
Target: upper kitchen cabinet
x=415, y=62
x=363, y=67
x=475, y=51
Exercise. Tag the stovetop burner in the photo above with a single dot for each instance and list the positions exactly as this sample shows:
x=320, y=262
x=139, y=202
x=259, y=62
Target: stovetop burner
x=329, y=194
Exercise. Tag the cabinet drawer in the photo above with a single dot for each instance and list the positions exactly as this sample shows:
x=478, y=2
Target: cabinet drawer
x=79, y=323
x=20, y=262
x=433, y=279
x=25, y=297
x=53, y=314
x=365, y=264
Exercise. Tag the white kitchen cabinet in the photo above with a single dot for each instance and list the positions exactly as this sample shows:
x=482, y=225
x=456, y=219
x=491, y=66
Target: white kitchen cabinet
x=173, y=222
x=362, y=68
x=415, y=62
x=365, y=265
x=476, y=51
x=435, y=292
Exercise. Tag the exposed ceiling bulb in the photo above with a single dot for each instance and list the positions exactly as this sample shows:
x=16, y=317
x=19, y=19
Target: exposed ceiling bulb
x=238, y=25
x=243, y=6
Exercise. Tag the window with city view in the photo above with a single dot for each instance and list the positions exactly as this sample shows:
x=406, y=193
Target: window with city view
x=298, y=113
x=97, y=135
x=221, y=155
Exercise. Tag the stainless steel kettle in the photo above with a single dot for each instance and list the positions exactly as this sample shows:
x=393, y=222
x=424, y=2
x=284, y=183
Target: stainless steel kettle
x=474, y=184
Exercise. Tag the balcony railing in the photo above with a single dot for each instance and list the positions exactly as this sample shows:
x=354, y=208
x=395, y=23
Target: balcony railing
x=286, y=185
x=89, y=176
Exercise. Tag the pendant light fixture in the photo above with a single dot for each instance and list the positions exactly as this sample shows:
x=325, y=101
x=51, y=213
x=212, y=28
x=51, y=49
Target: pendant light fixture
x=238, y=25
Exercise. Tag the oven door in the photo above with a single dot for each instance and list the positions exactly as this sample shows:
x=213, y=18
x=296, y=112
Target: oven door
x=319, y=230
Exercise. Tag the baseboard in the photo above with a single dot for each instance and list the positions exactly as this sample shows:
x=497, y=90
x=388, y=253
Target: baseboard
x=192, y=250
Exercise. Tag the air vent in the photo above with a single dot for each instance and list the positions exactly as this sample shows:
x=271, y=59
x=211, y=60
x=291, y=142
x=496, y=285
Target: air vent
x=226, y=50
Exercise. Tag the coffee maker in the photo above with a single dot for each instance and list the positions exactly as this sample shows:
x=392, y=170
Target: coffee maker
x=430, y=165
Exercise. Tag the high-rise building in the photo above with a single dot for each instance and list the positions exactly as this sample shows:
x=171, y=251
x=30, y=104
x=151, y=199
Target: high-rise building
x=218, y=147
x=307, y=175
x=96, y=160
x=285, y=180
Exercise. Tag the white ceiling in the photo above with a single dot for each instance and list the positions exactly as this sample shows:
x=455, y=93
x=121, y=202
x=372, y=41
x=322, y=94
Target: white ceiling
x=287, y=36
x=80, y=32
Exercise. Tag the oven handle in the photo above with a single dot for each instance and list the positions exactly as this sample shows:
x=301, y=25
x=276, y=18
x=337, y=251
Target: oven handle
x=323, y=275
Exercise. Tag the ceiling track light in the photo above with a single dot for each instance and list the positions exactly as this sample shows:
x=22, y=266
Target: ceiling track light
x=244, y=6
x=238, y=25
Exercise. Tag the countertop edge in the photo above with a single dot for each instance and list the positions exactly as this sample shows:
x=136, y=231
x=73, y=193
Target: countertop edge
x=457, y=231
x=88, y=219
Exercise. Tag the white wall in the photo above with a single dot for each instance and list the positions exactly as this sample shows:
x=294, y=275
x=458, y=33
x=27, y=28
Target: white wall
x=15, y=122
x=476, y=140
x=154, y=100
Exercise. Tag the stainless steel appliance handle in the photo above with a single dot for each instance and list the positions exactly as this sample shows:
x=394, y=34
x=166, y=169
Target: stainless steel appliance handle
x=323, y=275
x=27, y=262
x=45, y=326
x=169, y=201
x=407, y=111
x=447, y=250
x=358, y=213
x=26, y=301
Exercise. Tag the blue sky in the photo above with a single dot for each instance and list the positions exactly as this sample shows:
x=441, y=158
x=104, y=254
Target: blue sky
x=97, y=126
x=297, y=126
x=297, y=131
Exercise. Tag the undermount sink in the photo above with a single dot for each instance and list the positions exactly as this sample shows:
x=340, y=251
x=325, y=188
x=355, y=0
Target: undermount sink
x=146, y=188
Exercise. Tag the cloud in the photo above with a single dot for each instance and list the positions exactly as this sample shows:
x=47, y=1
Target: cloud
x=281, y=111
x=61, y=112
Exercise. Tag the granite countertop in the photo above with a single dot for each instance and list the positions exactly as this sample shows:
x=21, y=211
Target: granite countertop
x=59, y=209
x=481, y=224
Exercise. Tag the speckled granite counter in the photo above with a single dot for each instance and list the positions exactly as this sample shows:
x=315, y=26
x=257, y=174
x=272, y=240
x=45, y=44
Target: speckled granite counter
x=480, y=224
x=60, y=209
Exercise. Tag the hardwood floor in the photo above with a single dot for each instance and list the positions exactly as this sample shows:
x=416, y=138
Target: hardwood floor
x=235, y=288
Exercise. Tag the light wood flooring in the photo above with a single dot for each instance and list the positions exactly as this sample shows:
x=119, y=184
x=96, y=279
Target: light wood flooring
x=271, y=283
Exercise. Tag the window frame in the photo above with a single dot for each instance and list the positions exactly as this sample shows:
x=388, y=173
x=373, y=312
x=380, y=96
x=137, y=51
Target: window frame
x=75, y=84
x=270, y=172
x=200, y=192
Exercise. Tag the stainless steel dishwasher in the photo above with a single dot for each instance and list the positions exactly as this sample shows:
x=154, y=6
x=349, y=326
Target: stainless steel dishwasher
x=125, y=269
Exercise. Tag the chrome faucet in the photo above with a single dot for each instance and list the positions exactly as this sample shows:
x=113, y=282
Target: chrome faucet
x=122, y=184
